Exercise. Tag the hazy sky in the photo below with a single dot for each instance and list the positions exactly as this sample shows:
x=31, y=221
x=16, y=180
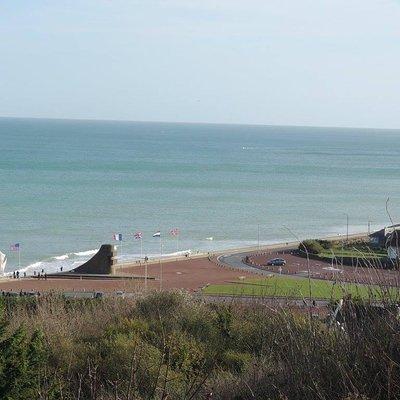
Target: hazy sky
x=291, y=62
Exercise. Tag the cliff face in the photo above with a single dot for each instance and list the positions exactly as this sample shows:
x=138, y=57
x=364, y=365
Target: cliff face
x=100, y=263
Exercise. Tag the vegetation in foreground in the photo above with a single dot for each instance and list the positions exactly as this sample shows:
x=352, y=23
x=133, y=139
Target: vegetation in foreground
x=170, y=346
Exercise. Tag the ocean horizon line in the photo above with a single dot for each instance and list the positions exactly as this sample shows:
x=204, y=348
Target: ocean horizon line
x=238, y=124
x=84, y=180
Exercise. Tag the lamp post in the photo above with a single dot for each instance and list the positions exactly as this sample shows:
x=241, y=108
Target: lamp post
x=161, y=265
x=347, y=226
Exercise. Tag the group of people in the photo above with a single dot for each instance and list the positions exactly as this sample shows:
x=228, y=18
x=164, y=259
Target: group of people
x=16, y=275
x=40, y=275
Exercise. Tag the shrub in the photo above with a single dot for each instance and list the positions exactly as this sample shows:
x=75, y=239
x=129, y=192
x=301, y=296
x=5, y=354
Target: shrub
x=312, y=246
x=235, y=361
x=169, y=345
x=22, y=363
x=326, y=244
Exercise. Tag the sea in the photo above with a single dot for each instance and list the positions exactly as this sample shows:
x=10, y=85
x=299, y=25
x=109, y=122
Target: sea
x=67, y=186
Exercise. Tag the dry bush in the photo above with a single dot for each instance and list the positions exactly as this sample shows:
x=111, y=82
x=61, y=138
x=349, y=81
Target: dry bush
x=171, y=345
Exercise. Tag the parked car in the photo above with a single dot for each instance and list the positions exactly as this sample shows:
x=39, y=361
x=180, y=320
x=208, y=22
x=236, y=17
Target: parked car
x=276, y=262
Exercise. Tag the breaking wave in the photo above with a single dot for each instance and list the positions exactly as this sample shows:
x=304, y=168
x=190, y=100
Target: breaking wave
x=86, y=253
x=63, y=257
x=63, y=262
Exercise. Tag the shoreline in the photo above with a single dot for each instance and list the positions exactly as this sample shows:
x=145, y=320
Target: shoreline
x=247, y=249
x=191, y=274
x=173, y=257
x=177, y=273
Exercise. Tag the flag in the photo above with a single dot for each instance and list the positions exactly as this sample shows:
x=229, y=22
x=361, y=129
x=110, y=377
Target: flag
x=157, y=234
x=174, y=232
x=15, y=247
x=117, y=237
x=138, y=235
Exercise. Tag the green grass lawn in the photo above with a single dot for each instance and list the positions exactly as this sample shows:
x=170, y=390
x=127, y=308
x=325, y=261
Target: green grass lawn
x=282, y=286
x=337, y=252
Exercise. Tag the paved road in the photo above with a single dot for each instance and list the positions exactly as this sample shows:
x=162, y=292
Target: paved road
x=235, y=260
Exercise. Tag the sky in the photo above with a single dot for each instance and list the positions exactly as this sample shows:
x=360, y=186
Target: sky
x=275, y=62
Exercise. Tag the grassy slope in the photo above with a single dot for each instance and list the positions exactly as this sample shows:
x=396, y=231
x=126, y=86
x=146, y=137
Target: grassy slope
x=336, y=252
x=355, y=250
x=282, y=286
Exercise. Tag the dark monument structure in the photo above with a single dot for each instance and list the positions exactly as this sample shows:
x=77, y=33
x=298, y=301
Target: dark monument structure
x=101, y=266
x=101, y=263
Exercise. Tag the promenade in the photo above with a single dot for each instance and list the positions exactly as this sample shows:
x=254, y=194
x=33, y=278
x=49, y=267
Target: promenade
x=173, y=273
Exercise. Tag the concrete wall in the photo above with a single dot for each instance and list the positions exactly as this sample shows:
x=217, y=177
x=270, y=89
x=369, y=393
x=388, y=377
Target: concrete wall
x=101, y=263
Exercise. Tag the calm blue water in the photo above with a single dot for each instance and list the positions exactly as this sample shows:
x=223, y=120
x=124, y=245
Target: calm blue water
x=67, y=186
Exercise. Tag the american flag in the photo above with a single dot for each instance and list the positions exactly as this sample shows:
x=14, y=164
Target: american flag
x=138, y=235
x=174, y=232
x=15, y=247
x=117, y=237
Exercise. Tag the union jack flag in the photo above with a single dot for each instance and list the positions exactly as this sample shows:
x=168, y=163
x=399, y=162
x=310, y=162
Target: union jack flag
x=15, y=247
x=174, y=232
x=138, y=235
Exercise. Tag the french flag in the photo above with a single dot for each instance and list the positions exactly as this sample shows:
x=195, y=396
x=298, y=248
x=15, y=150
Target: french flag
x=15, y=247
x=117, y=237
x=157, y=234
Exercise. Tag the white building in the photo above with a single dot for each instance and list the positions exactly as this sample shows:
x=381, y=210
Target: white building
x=380, y=238
x=393, y=246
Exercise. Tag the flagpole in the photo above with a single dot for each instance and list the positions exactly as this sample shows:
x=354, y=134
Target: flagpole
x=140, y=236
x=177, y=242
x=145, y=276
x=19, y=257
x=161, y=271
